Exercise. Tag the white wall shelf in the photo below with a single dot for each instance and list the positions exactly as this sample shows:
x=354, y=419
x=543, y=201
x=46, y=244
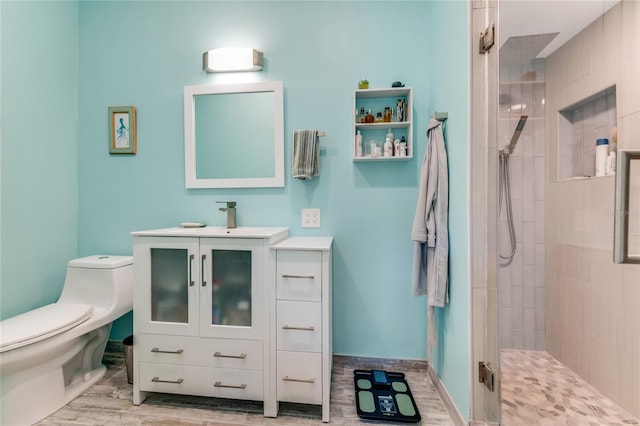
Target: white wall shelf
x=376, y=100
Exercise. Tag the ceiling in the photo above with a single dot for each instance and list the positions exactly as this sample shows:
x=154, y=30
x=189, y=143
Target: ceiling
x=534, y=17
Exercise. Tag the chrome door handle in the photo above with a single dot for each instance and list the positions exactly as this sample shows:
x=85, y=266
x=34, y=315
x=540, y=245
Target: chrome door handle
x=158, y=380
x=191, y=257
x=160, y=351
x=204, y=283
x=288, y=327
x=219, y=355
x=222, y=385
x=290, y=379
x=297, y=276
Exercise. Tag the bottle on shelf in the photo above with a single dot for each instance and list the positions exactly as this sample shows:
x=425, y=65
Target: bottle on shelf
x=387, y=114
x=369, y=118
x=362, y=115
x=358, y=143
x=388, y=147
x=403, y=147
x=379, y=118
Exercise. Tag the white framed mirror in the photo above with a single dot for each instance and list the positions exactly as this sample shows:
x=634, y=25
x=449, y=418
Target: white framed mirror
x=234, y=135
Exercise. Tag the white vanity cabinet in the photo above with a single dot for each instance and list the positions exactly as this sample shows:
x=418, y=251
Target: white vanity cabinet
x=201, y=312
x=301, y=335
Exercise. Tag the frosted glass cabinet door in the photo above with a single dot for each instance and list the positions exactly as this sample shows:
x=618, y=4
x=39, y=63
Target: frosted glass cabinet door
x=231, y=302
x=170, y=285
x=231, y=287
x=167, y=288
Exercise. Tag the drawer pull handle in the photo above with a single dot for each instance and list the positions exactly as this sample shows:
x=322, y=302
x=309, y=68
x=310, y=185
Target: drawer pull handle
x=298, y=276
x=288, y=327
x=289, y=379
x=160, y=351
x=222, y=385
x=158, y=380
x=219, y=355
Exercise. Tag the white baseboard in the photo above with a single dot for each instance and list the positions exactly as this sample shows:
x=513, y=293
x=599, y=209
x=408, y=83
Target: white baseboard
x=456, y=416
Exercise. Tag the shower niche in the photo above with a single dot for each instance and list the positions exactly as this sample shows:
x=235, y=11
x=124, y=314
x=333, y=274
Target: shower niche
x=579, y=126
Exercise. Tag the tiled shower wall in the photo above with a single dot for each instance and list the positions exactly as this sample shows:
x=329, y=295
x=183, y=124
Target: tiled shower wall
x=593, y=320
x=521, y=283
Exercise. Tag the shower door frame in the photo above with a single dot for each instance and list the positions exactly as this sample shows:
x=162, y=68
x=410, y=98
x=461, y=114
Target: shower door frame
x=485, y=404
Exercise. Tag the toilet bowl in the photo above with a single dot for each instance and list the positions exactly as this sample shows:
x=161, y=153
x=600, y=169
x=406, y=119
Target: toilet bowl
x=50, y=355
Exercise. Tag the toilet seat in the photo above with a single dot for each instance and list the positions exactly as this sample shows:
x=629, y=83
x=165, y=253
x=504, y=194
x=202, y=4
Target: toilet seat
x=41, y=324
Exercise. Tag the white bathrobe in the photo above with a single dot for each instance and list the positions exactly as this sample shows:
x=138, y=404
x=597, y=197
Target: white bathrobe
x=430, y=229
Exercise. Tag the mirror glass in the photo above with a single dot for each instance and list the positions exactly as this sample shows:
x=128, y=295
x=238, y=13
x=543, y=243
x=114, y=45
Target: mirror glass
x=234, y=135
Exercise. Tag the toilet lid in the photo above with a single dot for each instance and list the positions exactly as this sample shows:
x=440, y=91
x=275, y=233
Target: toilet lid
x=41, y=323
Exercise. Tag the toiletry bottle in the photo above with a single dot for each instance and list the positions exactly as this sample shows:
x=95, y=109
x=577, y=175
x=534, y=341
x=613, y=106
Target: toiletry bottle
x=369, y=117
x=362, y=115
x=387, y=114
x=390, y=138
x=388, y=147
x=602, y=152
x=379, y=118
x=396, y=148
x=403, y=147
x=358, y=142
x=399, y=110
x=611, y=164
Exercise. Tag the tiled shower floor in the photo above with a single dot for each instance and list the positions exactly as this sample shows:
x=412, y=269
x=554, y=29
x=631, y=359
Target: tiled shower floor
x=539, y=390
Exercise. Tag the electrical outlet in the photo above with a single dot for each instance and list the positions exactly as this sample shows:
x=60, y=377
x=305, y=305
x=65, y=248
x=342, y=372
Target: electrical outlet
x=311, y=218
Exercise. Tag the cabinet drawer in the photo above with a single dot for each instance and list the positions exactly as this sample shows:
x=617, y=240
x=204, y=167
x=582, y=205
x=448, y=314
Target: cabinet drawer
x=224, y=353
x=299, y=326
x=299, y=275
x=203, y=381
x=299, y=377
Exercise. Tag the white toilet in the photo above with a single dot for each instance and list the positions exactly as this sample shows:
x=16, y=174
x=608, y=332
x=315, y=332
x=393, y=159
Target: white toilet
x=50, y=355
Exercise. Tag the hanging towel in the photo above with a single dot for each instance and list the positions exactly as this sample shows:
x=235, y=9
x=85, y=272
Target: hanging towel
x=306, y=154
x=430, y=229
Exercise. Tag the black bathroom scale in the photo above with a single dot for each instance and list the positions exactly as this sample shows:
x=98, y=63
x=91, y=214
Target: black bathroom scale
x=384, y=395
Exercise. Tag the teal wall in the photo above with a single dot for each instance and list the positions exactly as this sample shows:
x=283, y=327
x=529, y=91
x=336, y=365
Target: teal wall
x=144, y=53
x=39, y=151
x=449, y=91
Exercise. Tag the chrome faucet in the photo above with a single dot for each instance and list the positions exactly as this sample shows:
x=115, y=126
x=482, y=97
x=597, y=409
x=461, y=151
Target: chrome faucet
x=231, y=212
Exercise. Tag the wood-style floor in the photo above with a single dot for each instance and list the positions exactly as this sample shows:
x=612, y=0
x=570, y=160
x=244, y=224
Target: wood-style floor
x=109, y=401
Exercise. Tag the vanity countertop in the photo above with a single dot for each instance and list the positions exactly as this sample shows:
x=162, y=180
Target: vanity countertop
x=304, y=243
x=218, y=231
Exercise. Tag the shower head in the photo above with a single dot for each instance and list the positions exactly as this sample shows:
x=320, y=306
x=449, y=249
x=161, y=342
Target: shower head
x=516, y=135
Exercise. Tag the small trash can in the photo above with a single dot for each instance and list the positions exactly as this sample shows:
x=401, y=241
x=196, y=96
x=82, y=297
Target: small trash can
x=128, y=357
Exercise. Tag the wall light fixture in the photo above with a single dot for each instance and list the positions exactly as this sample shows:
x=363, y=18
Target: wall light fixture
x=231, y=59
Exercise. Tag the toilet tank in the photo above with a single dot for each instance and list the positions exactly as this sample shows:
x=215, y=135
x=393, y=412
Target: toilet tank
x=104, y=281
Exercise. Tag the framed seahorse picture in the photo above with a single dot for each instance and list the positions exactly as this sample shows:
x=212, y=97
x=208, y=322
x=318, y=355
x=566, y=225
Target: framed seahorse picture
x=122, y=130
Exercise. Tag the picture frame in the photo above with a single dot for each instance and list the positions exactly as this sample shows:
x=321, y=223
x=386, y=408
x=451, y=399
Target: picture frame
x=122, y=130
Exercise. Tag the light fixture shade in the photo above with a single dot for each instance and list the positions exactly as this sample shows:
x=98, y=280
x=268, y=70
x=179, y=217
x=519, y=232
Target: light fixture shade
x=230, y=59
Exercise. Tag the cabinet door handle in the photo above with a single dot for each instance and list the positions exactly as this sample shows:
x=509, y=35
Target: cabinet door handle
x=160, y=351
x=204, y=257
x=222, y=385
x=219, y=355
x=289, y=327
x=158, y=380
x=297, y=276
x=191, y=283
x=290, y=379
